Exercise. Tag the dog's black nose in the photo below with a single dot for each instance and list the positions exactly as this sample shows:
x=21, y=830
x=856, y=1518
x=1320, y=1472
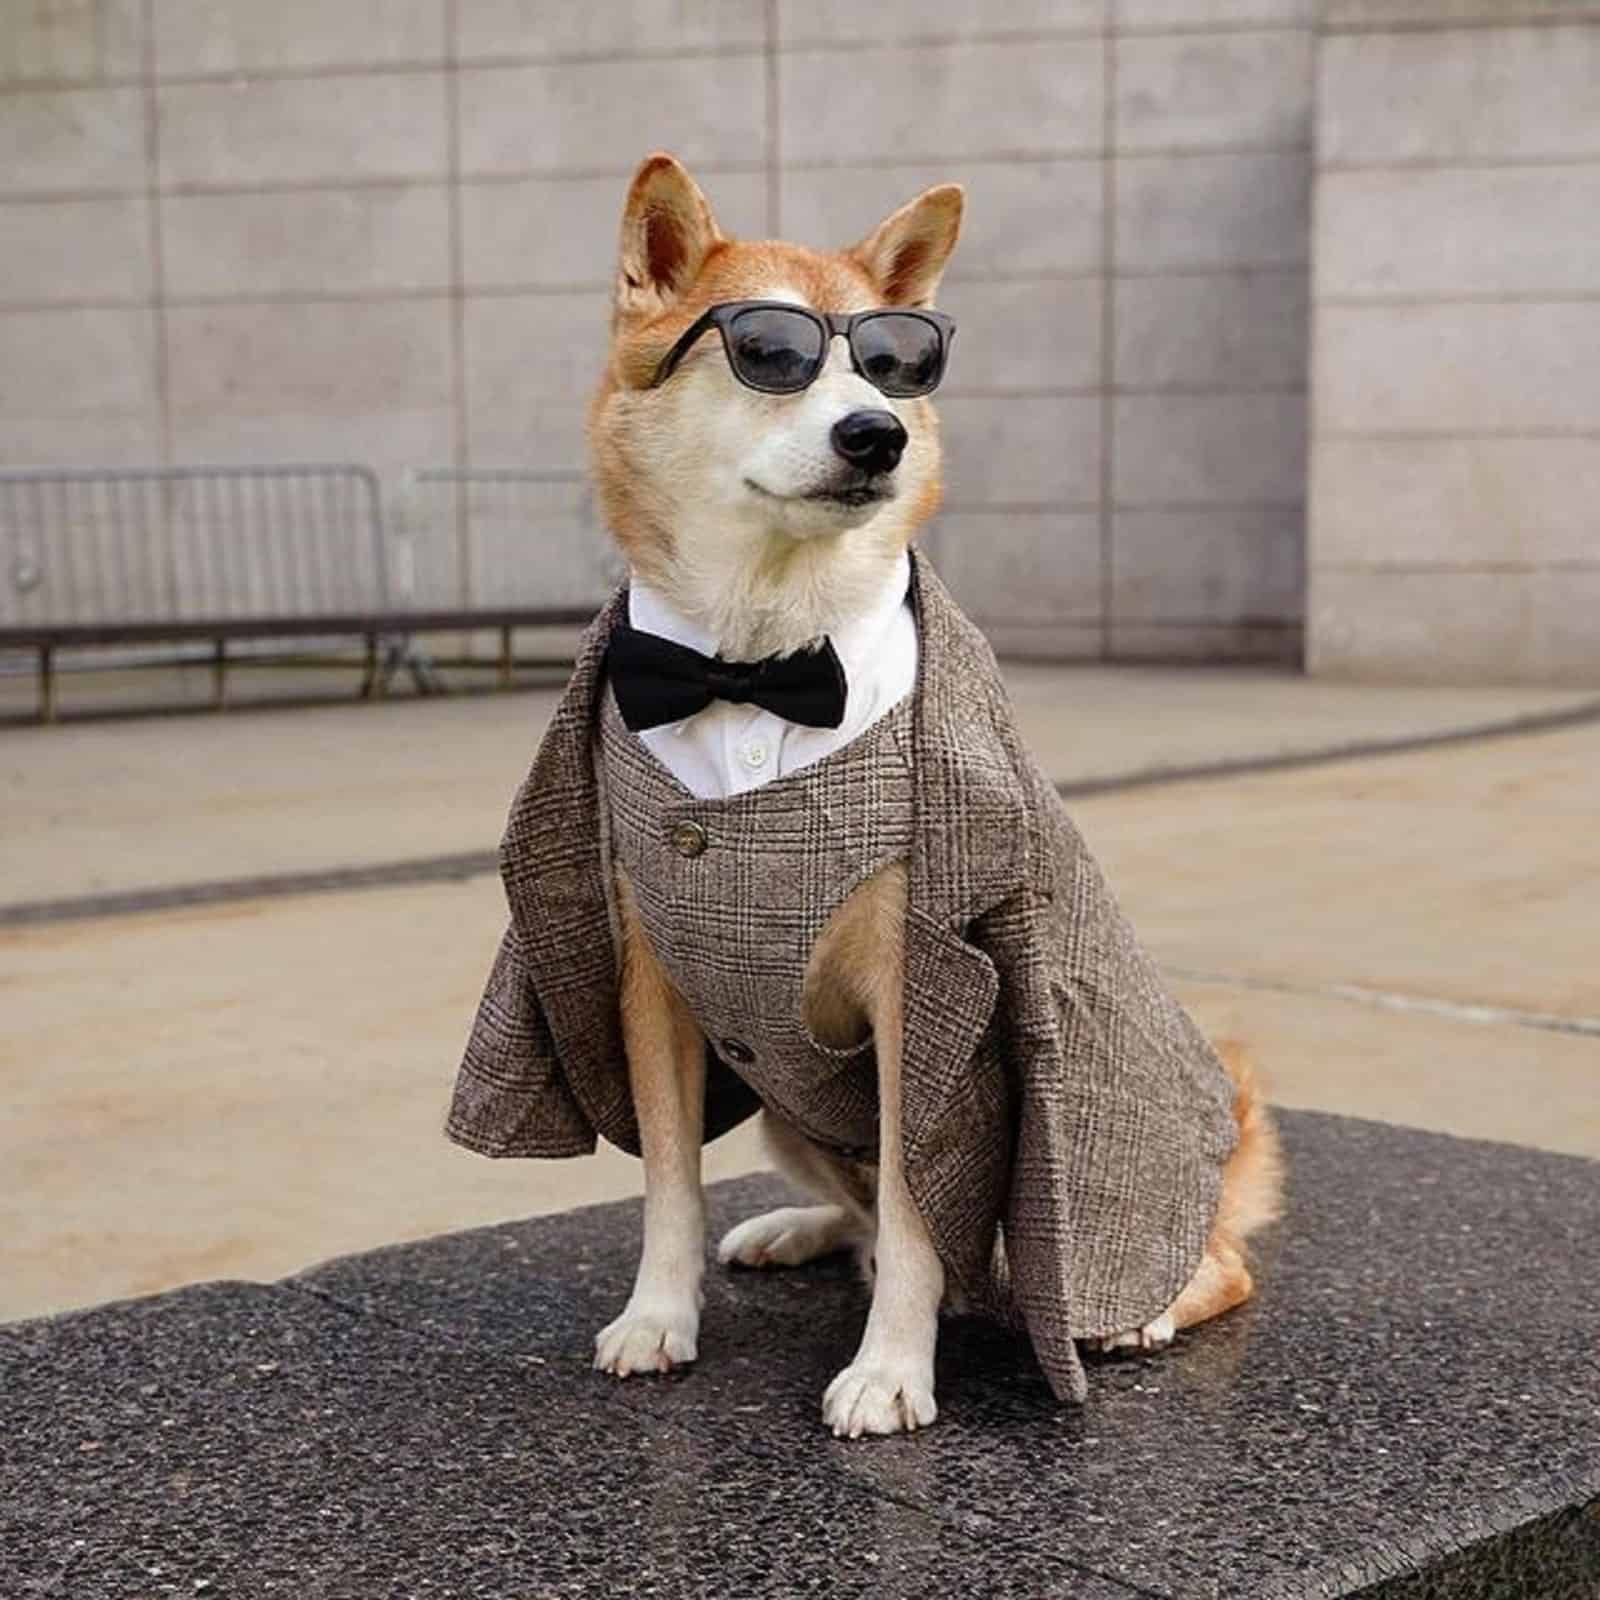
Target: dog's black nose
x=871, y=440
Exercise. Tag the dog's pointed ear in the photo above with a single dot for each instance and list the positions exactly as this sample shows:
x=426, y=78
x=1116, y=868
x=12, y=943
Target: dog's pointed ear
x=667, y=232
x=905, y=254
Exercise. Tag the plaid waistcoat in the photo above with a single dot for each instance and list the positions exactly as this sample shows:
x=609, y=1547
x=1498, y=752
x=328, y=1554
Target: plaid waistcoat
x=735, y=921
x=1064, y=1121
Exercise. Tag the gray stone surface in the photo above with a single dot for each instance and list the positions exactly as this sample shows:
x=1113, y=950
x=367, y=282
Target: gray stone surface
x=1199, y=91
x=306, y=241
x=195, y=36
x=90, y=389
x=248, y=131
x=1429, y=232
x=1232, y=567
x=451, y=175
x=1134, y=275
x=1444, y=625
x=1209, y=449
x=1043, y=572
x=1182, y=212
x=72, y=139
x=51, y=44
x=1451, y=472
x=1481, y=94
x=70, y=251
x=829, y=21
x=1410, y=1409
x=931, y=102
x=1033, y=334
x=254, y=379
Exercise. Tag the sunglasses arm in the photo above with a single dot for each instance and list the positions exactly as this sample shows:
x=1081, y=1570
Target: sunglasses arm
x=681, y=347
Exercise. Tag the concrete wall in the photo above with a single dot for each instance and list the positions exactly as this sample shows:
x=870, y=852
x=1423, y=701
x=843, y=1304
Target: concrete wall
x=382, y=230
x=1456, y=476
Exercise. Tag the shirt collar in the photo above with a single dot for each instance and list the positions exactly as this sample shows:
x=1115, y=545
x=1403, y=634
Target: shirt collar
x=855, y=641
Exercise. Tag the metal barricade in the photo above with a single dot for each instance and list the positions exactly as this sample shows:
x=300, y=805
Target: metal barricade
x=112, y=544
x=155, y=565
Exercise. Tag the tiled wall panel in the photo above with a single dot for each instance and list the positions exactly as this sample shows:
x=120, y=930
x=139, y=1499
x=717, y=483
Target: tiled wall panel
x=384, y=230
x=1456, y=463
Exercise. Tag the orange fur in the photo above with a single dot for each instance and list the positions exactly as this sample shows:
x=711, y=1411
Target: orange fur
x=675, y=261
x=1252, y=1195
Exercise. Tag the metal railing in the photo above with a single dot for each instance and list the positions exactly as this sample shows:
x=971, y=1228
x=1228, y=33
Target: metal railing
x=112, y=544
x=148, y=566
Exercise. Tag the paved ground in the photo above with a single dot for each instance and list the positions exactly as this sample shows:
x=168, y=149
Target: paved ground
x=243, y=1087
x=424, y=1421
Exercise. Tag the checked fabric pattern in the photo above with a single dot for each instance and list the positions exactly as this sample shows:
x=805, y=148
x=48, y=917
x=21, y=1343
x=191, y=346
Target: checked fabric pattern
x=1065, y=1122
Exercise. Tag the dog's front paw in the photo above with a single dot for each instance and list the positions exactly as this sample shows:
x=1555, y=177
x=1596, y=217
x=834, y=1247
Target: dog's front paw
x=648, y=1338
x=879, y=1397
x=1155, y=1335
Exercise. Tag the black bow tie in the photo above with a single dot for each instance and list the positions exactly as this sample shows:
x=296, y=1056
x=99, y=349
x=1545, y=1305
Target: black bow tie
x=657, y=681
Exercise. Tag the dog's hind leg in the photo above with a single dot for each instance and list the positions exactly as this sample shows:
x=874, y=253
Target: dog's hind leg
x=1252, y=1193
x=793, y=1235
x=1221, y=1282
x=660, y=1324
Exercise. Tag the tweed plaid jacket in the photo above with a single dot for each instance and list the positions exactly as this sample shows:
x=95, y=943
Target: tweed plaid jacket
x=1065, y=1122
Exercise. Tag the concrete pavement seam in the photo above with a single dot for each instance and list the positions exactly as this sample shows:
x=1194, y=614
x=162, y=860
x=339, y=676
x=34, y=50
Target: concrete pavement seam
x=1392, y=1000
x=329, y=880
x=1355, y=750
x=476, y=863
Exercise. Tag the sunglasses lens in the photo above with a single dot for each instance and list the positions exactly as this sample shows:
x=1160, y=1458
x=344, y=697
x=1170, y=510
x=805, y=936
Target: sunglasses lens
x=899, y=354
x=779, y=351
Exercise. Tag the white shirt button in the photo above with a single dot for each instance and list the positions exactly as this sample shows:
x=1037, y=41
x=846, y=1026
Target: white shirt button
x=754, y=755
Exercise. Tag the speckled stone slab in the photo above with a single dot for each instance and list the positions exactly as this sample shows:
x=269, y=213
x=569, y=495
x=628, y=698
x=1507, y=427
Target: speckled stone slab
x=1411, y=1408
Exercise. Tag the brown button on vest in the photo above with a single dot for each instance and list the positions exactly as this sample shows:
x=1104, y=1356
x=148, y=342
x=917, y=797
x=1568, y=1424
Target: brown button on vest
x=734, y=892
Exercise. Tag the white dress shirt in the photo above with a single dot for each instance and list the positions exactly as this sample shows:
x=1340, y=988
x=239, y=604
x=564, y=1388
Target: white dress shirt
x=728, y=748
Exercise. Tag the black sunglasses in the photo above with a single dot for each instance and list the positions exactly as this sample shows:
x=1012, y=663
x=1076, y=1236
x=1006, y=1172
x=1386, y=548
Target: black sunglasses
x=780, y=348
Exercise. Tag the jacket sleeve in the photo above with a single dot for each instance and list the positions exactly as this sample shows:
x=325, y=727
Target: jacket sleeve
x=511, y=1097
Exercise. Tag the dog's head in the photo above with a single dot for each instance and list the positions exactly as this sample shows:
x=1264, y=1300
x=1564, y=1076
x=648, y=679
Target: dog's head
x=705, y=480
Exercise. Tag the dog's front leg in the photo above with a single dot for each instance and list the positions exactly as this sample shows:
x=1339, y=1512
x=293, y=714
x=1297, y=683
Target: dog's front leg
x=888, y=1388
x=659, y=1326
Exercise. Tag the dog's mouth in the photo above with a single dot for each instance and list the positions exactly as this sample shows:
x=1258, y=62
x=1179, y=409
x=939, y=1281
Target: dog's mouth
x=854, y=495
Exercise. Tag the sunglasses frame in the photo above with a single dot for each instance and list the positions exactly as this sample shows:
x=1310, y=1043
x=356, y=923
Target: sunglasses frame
x=833, y=324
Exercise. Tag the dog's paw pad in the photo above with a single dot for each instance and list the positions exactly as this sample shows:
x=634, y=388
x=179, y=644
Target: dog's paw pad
x=646, y=1341
x=871, y=1398
x=789, y=1237
x=1156, y=1335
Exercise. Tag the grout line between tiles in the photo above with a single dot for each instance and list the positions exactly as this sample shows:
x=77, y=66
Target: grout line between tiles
x=1108, y=350
x=160, y=354
x=774, y=161
x=460, y=434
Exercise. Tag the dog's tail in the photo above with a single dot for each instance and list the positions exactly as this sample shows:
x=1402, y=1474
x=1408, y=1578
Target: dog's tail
x=1252, y=1178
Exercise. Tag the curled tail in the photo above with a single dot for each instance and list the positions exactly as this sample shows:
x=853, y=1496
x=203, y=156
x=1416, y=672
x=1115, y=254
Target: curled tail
x=1252, y=1178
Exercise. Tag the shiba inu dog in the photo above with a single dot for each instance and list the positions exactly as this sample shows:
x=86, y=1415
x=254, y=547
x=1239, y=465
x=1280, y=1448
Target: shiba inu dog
x=974, y=1016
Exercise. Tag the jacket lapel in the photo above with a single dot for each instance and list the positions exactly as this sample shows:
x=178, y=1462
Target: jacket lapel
x=969, y=852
